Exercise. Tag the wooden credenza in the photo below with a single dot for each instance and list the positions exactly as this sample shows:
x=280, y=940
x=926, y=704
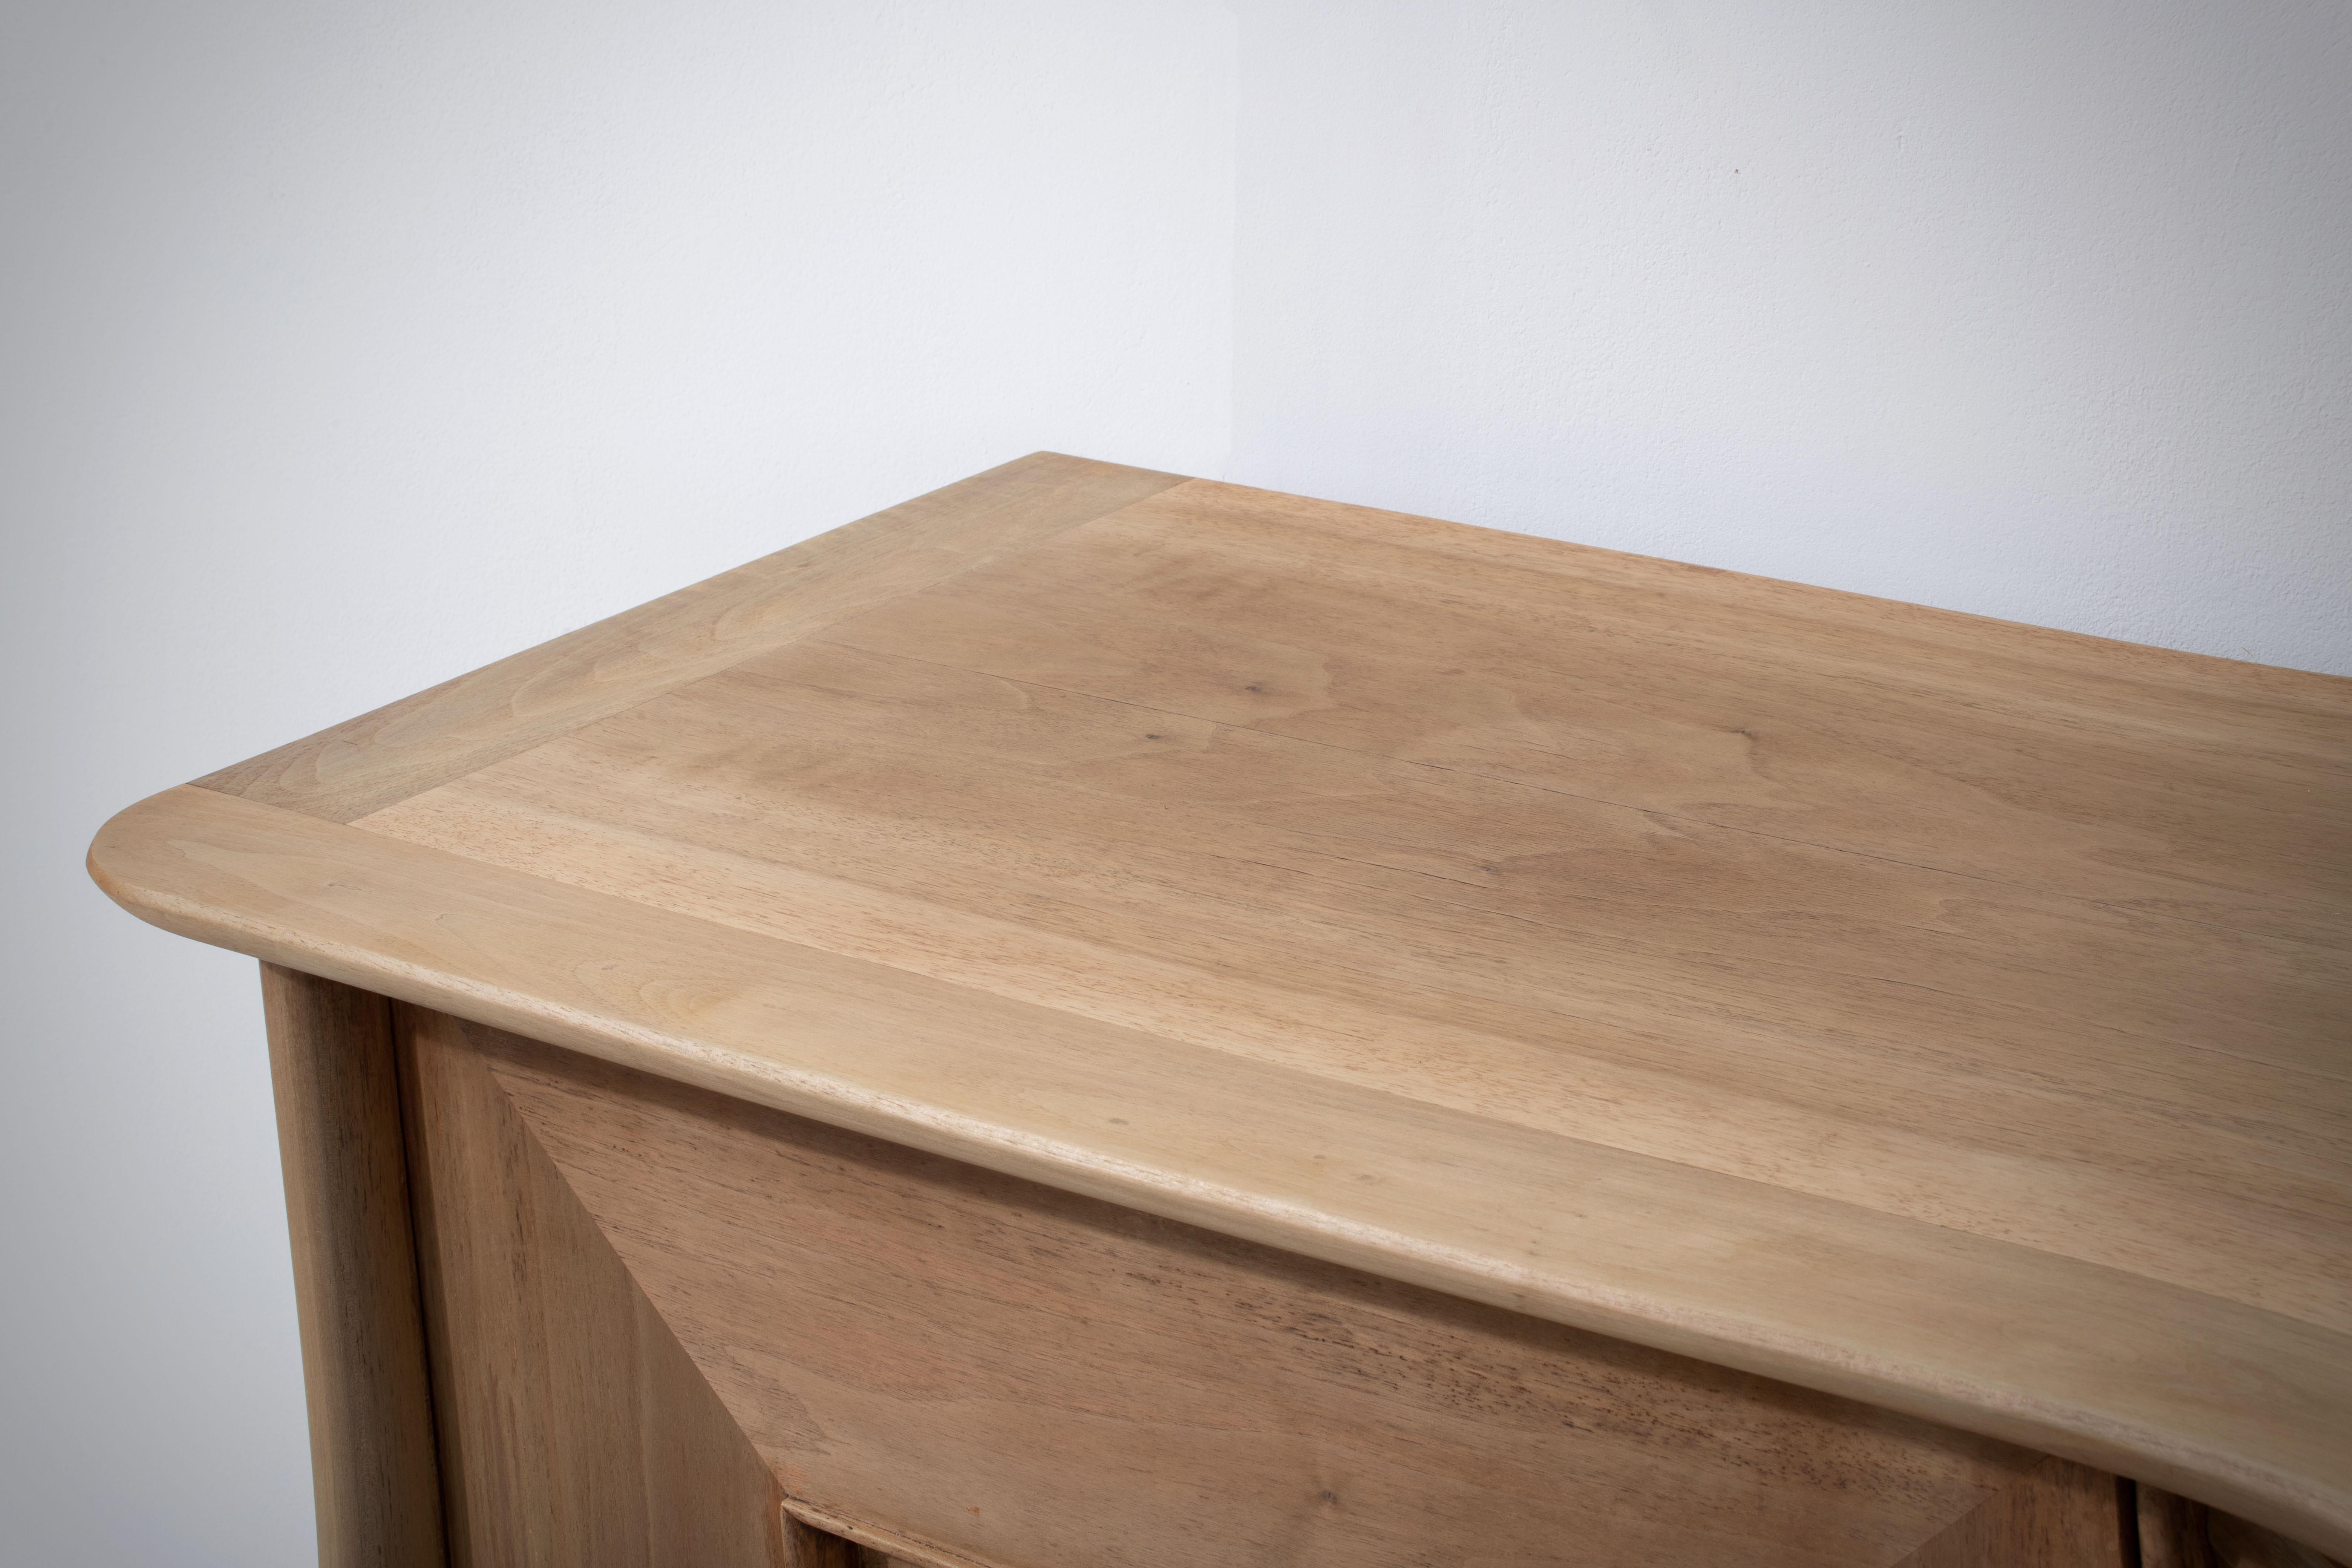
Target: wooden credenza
x=1097, y=1019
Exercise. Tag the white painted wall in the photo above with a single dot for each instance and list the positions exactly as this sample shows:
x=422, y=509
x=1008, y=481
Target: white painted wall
x=347, y=346
x=350, y=345
x=2040, y=309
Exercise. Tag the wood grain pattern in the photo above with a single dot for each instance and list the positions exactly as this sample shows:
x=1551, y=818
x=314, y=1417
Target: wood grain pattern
x=2241, y=1543
x=1945, y=1012
x=372, y=761
x=2172, y=1531
x=1016, y=1375
x=872, y=1547
x=2165, y=782
x=374, y=1470
x=2057, y=1515
x=2044, y=1350
x=1857, y=1031
x=574, y=1430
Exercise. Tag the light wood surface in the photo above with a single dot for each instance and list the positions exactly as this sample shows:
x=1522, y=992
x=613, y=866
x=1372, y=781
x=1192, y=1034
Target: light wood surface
x=454, y=728
x=574, y=1430
x=373, y=1472
x=1011, y=1374
x=1938, y=1011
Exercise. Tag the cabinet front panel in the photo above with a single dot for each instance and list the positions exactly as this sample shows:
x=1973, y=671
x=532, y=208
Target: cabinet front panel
x=1011, y=1374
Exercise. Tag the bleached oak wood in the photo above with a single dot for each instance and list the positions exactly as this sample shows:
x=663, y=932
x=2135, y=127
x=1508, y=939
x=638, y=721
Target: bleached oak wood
x=375, y=1473
x=575, y=1430
x=356, y=766
x=1004, y=1372
x=2163, y=783
x=1943, y=1011
x=1819, y=1021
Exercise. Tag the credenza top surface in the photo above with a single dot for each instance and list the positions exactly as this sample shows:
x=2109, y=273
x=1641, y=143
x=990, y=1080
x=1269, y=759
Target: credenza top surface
x=1939, y=1010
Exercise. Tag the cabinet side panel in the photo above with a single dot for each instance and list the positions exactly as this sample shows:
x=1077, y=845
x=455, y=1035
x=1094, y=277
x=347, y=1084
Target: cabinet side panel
x=373, y=1466
x=574, y=1430
x=998, y=1371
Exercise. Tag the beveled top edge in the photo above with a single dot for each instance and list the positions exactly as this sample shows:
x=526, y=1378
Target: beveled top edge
x=372, y=760
x=1446, y=536
x=367, y=762
x=2236, y=1406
